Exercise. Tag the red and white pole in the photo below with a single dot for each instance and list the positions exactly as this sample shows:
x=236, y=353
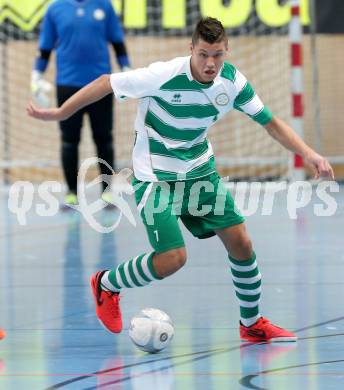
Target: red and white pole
x=295, y=39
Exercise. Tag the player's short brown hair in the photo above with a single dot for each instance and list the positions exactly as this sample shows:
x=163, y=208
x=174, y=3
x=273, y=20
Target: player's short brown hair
x=209, y=30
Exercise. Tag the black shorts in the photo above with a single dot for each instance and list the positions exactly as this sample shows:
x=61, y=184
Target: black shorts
x=100, y=113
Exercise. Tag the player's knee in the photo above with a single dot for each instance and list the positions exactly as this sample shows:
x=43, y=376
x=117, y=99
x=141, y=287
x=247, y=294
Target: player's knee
x=175, y=259
x=167, y=263
x=242, y=248
x=178, y=257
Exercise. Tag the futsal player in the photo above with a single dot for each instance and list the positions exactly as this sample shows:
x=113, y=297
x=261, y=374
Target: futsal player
x=80, y=32
x=179, y=101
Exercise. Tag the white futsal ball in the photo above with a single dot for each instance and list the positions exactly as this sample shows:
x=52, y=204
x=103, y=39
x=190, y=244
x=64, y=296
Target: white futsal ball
x=151, y=330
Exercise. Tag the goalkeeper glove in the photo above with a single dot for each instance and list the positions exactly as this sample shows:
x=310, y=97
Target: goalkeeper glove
x=40, y=89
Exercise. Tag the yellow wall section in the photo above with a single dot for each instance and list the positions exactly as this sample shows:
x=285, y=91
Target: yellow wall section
x=173, y=13
x=24, y=8
x=118, y=6
x=273, y=14
x=27, y=14
x=233, y=15
x=135, y=14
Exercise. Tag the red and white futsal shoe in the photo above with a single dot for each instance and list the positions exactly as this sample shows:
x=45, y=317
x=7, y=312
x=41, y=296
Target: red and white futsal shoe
x=107, y=305
x=264, y=330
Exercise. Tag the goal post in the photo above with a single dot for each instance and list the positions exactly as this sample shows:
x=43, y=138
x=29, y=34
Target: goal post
x=297, y=171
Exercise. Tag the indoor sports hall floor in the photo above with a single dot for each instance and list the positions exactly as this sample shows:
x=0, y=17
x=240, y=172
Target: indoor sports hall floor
x=54, y=340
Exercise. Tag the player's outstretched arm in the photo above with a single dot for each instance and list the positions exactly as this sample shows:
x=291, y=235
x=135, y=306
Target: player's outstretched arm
x=287, y=137
x=91, y=93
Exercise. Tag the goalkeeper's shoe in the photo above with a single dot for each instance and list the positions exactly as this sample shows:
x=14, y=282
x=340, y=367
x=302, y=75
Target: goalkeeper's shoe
x=107, y=305
x=264, y=330
x=107, y=198
x=71, y=199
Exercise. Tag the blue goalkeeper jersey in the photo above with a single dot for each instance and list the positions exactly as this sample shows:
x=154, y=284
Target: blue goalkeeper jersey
x=80, y=32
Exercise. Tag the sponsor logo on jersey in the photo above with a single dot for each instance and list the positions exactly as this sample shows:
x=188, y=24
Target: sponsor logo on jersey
x=177, y=98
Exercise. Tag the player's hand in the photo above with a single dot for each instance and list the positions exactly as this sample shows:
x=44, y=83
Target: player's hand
x=44, y=114
x=320, y=166
x=40, y=89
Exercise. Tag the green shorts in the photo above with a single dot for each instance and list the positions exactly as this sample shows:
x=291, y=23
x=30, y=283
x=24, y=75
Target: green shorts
x=204, y=205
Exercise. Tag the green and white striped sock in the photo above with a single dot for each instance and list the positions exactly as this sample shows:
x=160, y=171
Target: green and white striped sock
x=247, y=283
x=136, y=272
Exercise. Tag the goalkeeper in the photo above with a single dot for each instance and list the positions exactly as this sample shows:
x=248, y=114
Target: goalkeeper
x=179, y=101
x=80, y=32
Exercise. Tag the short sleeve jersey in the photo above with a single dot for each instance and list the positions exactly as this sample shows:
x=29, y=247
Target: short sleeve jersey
x=175, y=113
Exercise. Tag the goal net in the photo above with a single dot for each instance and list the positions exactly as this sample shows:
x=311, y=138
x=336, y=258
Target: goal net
x=155, y=30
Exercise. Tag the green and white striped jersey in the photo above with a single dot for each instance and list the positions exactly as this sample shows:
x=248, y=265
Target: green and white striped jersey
x=175, y=114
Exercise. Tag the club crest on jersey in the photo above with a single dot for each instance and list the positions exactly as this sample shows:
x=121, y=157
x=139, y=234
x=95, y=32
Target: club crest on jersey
x=222, y=99
x=99, y=14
